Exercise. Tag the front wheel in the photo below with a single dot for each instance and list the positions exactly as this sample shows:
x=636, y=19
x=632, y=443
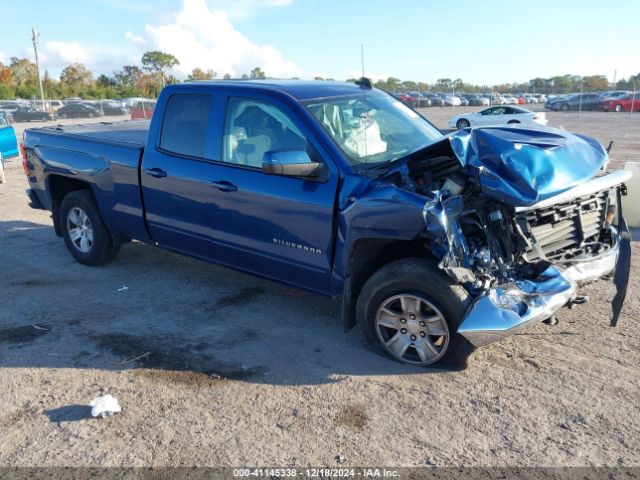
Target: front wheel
x=85, y=234
x=462, y=123
x=564, y=108
x=410, y=311
x=618, y=108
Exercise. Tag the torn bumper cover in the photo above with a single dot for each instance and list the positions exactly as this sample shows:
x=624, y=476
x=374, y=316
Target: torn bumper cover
x=507, y=309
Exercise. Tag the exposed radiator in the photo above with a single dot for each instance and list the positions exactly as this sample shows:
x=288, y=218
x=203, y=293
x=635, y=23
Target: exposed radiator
x=558, y=230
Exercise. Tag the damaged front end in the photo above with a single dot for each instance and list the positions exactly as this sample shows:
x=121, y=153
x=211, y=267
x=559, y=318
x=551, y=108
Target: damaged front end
x=525, y=219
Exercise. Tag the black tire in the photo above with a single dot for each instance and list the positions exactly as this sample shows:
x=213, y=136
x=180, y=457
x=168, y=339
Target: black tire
x=102, y=249
x=64, y=115
x=462, y=123
x=420, y=278
x=564, y=107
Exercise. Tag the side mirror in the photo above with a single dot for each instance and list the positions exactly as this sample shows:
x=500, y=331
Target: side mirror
x=292, y=163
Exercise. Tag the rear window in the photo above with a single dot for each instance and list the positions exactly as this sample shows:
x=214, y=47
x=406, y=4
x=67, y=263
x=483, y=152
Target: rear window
x=185, y=124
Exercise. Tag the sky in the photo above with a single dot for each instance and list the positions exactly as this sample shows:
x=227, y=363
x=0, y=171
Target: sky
x=482, y=41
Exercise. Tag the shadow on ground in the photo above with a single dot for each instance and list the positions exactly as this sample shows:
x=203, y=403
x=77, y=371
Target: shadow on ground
x=175, y=318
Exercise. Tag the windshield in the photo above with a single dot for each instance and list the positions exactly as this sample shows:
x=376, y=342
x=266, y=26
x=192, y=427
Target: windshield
x=372, y=128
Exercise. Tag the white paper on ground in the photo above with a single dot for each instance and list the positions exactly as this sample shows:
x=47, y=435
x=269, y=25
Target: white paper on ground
x=104, y=406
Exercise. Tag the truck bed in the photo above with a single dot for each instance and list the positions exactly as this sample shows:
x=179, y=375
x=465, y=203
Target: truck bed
x=105, y=156
x=133, y=133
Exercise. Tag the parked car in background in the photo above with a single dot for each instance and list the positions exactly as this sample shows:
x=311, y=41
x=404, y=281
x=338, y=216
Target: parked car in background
x=499, y=115
x=29, y=114
x=625, y=103
x=477, y=101
x=614, y=94
x=436, y=100
x=47, y=105
x=451, y=100
x=142, y=110
x=577, y=101
x=111, y=108
x=77, y=110
x=10, y=106
x=419, y=99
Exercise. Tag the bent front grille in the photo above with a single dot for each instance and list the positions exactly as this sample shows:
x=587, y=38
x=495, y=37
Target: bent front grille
x=562, y=230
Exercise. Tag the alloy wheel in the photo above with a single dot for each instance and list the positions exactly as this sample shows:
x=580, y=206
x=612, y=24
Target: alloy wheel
x=412, y=329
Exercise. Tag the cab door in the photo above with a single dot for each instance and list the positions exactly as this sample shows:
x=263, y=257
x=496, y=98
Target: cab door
x=275, y=226
x=176, y=173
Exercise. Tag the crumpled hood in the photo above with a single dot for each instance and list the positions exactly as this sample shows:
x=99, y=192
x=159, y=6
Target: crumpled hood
x=521, y=166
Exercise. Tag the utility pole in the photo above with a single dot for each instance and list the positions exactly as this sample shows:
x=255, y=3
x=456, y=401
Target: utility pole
x=35, y=36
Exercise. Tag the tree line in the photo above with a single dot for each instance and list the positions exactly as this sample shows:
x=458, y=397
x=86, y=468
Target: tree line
x=556, y=84
x=19, y=79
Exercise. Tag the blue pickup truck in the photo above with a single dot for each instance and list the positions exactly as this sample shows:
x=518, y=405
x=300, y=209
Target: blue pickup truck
x=433, y=244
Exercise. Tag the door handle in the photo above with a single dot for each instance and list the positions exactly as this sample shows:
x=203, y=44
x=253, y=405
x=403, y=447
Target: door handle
x=155, y=172
x=224, y=185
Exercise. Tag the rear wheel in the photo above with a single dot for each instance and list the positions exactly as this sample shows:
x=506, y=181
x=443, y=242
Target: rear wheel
x=462, y=123
x=564, y=107
x=85, y=234
x=618, y=108
x=411, y=311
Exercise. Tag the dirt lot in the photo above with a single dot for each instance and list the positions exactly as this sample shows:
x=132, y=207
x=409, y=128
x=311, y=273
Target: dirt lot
x=289, y=387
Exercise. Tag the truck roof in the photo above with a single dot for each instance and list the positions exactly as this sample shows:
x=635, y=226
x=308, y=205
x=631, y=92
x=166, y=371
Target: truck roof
x=300, y=89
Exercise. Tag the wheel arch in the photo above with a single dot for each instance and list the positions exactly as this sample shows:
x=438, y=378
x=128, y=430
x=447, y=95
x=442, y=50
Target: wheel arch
x=59, y=186
x=369, y=255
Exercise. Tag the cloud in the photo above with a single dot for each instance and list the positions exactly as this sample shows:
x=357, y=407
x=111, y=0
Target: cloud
x=65, y=53
x=206, y=38
x=134, y=38
x=244, y=9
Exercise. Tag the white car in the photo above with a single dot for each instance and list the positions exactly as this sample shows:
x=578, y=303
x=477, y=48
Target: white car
x=452, y=100
x=502, y=115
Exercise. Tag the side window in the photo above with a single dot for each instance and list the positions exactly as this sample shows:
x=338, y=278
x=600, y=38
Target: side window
x=184, y=126
x=3, y=121
x=253, y=128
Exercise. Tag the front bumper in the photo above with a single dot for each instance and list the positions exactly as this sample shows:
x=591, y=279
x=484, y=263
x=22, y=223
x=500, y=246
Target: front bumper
x=507, y=309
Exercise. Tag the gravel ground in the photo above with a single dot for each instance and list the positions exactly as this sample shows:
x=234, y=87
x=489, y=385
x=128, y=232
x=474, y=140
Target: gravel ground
x=234, y=370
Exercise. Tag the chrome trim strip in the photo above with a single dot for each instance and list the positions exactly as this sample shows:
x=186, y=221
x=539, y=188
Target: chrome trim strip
x=597, y=184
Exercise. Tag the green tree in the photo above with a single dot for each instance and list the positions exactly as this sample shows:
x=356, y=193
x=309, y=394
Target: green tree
x=392, y=84
x=227, y=76
x=199, y=74
x=75, y=79
x=157, y=63
x=257, y=73
x=129, y=81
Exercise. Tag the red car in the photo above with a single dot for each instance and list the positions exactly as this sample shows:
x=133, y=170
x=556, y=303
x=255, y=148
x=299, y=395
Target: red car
x=142, y=110
x=408, y=99
x=621, y=104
